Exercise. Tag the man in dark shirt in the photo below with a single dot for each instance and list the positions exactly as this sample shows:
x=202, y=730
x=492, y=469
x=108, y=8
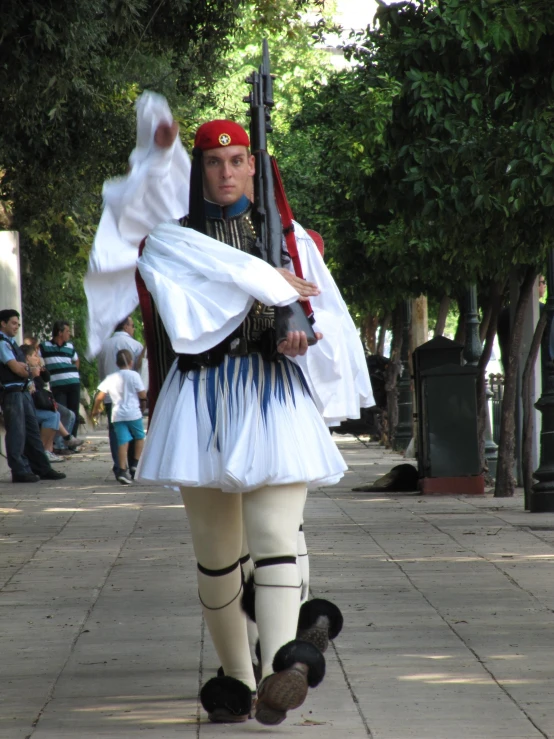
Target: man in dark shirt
x=26, y=456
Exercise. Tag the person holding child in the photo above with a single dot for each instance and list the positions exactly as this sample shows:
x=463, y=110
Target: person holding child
x=47, y=411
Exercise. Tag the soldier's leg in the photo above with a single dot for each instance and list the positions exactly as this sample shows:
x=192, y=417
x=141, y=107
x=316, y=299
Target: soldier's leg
x=247, y=566
x=272, y=516
x=216, y=527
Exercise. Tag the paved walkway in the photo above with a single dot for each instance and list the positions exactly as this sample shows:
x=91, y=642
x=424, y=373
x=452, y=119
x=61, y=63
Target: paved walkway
x=448, y=605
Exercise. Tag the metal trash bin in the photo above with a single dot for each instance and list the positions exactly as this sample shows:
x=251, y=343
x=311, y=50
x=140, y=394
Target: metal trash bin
x=446, y=400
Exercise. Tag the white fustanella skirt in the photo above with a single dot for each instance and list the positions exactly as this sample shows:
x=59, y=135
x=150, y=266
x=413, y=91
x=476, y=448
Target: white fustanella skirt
x=242, y=425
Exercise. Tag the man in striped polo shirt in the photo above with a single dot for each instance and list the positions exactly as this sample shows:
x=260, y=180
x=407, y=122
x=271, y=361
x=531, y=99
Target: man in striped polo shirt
x=62, y=362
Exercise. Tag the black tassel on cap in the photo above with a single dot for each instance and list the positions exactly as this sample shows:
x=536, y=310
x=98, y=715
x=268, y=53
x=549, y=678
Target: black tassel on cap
x=197, y=214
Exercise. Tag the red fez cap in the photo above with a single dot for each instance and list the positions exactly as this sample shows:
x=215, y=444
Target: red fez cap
x=216, y=134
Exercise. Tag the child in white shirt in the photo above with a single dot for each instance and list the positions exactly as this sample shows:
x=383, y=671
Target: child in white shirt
x=127, y=392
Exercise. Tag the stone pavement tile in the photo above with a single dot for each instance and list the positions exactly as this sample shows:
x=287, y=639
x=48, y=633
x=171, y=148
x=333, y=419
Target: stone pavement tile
x=120, y=716
x=415, y=581
x=447, y=620
x=21, y=698
x=441, y=693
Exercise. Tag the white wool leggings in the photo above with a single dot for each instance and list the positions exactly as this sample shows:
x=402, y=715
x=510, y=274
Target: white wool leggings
x=247, y=566
x=271, y=517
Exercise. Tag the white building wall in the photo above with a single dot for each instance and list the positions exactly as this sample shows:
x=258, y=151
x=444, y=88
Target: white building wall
x=10, y=297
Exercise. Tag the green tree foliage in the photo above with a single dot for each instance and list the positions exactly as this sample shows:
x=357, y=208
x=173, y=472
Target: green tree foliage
x=69, y=75
x=435, y=148
x=469, y=137
x=438, y=152
x=332, y=151
x=296, y=62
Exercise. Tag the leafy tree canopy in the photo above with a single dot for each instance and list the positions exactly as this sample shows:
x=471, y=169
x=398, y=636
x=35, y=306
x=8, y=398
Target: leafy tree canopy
x=435, y=148
x=70, y=73
x=296, y=62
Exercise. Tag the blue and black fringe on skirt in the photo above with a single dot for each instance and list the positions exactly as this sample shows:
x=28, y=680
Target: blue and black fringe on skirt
x=241, y=425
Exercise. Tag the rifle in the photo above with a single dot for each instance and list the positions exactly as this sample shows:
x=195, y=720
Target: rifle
x=269, y=228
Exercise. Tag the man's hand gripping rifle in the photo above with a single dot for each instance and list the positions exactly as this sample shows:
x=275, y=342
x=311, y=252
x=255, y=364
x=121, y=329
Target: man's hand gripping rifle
x=266, y=213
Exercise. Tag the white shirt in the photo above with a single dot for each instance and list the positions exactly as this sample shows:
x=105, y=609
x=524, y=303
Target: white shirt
x=123, y=387
x=106, y=359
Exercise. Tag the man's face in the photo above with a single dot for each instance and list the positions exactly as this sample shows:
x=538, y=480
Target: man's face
x=65, y=335
x=130, y=327
x=10, y=327
x=542, y=286
x=227, y=173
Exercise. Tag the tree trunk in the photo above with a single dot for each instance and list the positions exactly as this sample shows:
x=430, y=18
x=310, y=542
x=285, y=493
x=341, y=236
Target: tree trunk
x=485, y=321
x=391, y=376
x=495, y=306
x=444, y=306
x=369, y=330
x=419, y=325
x=385, y=323
x=528, y=415
x=460, y=336
x=505, y=483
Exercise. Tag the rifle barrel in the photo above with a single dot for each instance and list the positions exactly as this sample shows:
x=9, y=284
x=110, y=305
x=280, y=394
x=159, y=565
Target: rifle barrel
x=266, y=212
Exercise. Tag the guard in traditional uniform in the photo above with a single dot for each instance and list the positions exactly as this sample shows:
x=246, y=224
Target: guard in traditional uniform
x=239, y=422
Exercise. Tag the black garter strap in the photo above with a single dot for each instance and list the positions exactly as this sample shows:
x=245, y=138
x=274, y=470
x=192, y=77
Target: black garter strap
x=218, y=573
x=219, y=608
x=275, y=561
x=244, y=560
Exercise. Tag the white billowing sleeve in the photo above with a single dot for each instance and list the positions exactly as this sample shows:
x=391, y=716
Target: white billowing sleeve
x=155, y=190
x=335, y=368
x=203, y=288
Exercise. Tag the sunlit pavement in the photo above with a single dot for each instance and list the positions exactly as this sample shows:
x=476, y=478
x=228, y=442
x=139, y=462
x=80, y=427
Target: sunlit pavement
x=448, y=606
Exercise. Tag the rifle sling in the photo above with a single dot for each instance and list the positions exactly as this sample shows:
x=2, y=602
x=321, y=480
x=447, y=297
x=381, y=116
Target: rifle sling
x=288, y=231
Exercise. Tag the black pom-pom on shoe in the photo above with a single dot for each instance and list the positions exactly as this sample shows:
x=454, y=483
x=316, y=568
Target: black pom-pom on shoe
x=226, y=700
x=248, y=598
x=318, y=622
x=296, y=665
x=305, y=653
